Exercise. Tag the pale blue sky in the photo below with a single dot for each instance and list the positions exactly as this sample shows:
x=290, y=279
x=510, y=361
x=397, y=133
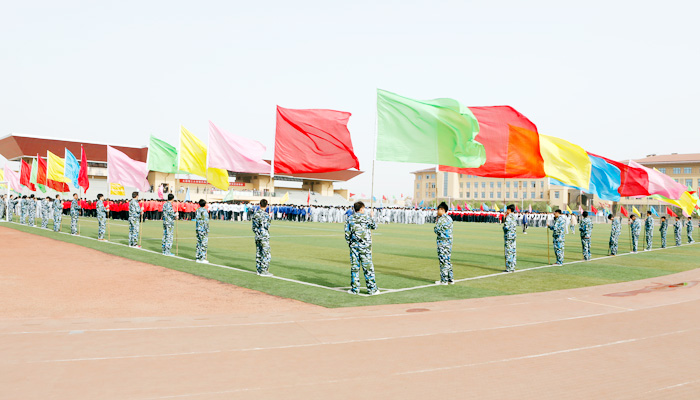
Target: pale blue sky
x=619, y=78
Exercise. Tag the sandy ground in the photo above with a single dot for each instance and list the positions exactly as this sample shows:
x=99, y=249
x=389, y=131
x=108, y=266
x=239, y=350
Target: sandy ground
x=151, y=333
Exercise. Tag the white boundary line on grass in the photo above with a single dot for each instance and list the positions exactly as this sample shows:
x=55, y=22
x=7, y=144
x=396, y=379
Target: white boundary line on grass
x=382, y=291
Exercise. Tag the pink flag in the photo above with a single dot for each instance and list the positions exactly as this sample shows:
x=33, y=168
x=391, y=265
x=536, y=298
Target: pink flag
x=529, y=208
x=580, y=210
x=160, y=191
x=12, y=179
x=661, y=183
x=235, y=153
x=122, y=169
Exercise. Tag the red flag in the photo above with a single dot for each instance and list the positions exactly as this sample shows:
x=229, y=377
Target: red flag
x=459, y=208
x=634, y=181
x=517, y=209
x=41, y=171
x=508, y=137
x=384, y=198
x=482, y=206
x=83, y=175
x=352, y=194
x=623, y=211
x=313, y=141
x=308, y=198
x=25, y=174
x=594, y=210
x=669, y=212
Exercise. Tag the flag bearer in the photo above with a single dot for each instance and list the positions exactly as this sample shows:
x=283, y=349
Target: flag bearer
x=509, y=234
x=649, y=230
x=31, y=211
x=134, y=220
x=616, y=227
x=202, y=230
x=677, y=228
x=585, y=227
x=359, y=237
x=558, y=231
x=443, y=230
x=261, y=228
x=169, y=217
x=23, y=210
x=74, y=213
x=636, y=228
x=101, y=218
x=663, y=229
x=689, y=230
x=57, y=213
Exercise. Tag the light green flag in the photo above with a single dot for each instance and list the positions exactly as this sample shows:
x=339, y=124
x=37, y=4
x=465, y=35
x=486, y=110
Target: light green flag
x=439, y=131
x=549, y=209
x=162, y=156
x=229, y=196
x=32, y=177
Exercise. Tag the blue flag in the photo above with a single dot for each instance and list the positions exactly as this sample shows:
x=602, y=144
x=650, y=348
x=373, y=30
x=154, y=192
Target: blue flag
x=605, y=180
x=421, y=203
x=72, y=170
x=653, y=211
x=187, y=195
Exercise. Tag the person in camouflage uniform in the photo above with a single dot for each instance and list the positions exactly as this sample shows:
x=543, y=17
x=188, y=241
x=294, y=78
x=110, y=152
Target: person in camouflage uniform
x=677, y=228
x=636, y=230
x=134, y=220
x=31, y=210
x=101, y=218
x=689, y=230
x=57, y=213
x=510, y=225
x=23, y=210
x=11, y=208
x=663, y=229
x=45, y=210
x=649, y=231
x=616, y=228
x=358, y=235
x=169, y=218
x=202, y=230
x=261, y=228
x=443, y=230
x=585, y=227
x=558, y=236
x=3, y=204
x=74, y=213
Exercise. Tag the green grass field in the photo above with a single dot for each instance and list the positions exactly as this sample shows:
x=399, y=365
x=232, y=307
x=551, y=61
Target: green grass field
x=404, y=257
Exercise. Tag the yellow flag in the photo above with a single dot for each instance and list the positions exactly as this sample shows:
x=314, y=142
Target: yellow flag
x=687, y=201
x=193, y=159
x=116, y=189
x=495, y=207
x=634, y=210
x=565, y=162
x=2, y=178
x=568, y=209
x=284, y=198
x=55, y=168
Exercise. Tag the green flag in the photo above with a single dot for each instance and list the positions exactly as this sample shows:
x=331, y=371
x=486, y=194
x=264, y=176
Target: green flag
x=162, y=156
x=439, y=131
x=549, y=209
x=32, y=177
x=229, y=196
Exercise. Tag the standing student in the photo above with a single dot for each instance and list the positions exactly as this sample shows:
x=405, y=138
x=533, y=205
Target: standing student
x=526, y=219
x=615, y=228
x=57, y=213
x=101, y=218
x=23, y=210
x=31, y=211
x=202, y=231
x=677, y=228
x=74, y=214
x=585, y=228
x=689, y=230
x=443, y=230
x=358, y=235
x=649, y=231
x=134, y=220
x=261, y=228
x=509, y=236
x=558, y=231
x=45, y=210
x=663, y=229
x=169, y=217
x=636, y=228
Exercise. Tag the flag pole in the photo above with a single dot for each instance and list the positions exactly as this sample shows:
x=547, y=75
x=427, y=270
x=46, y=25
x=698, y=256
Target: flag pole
x=374, y=158
x=546, y=233
x=140, y=224
x=109, y=232
x=628, y=223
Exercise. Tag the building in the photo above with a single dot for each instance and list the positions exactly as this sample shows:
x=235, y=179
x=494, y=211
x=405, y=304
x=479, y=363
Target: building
x=246, y=187
x=430, y=185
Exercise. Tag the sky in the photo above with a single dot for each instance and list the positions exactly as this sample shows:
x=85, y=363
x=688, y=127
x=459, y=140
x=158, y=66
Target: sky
x=619, y=78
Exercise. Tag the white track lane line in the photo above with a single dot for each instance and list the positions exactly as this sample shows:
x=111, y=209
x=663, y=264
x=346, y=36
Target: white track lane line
x=377, y=339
